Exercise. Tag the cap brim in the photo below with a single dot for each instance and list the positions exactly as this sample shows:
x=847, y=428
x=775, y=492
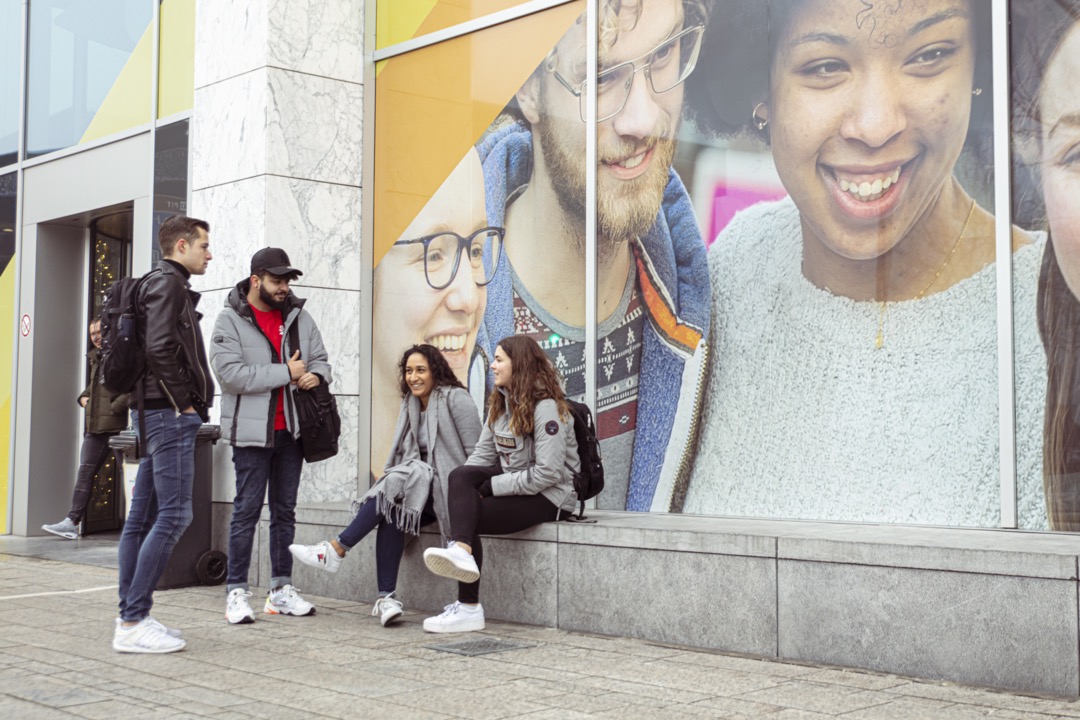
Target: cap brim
x=283, y=270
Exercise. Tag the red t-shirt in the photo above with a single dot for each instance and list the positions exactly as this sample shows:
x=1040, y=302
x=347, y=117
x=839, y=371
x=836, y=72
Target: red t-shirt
x=273, y=327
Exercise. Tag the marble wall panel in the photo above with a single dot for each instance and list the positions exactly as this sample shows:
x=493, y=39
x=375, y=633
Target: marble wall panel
x=318, y=224
x=236, y=212
x=233, y=39
x=229, y=130
x=313, y=128
x=337, y=313
x=336, y=478
x=318, y=37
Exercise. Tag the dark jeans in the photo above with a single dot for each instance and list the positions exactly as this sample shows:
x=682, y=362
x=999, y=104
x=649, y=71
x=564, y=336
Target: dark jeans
x=472, y=515
x=257, y=469
x=389, y=540
x=95, y=448
x=160, y=507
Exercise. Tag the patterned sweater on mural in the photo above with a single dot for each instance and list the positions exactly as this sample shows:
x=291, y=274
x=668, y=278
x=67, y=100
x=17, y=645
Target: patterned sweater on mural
x=672, y=276
x=805, y=418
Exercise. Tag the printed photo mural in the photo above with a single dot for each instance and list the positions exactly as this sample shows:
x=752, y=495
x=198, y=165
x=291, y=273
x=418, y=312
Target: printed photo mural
x=797, y=255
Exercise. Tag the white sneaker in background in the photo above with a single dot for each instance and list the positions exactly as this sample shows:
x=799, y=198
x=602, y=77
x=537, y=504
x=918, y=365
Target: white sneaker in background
x=286, y=601
x=457, y=618
x=388, y=609
x=453, y=562
x=320, y=555
x=237, y=610
x=65, y=529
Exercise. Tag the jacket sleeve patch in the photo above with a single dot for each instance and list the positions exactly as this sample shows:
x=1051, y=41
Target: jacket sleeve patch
x=551, y=427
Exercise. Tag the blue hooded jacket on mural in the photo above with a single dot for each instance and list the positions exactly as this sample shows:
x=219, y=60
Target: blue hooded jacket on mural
x=673, y=275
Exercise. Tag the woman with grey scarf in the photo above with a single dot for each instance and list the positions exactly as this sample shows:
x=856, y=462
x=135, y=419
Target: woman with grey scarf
x=437, y=428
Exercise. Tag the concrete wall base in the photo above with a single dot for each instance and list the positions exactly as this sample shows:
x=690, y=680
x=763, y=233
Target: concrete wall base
x=983, y=607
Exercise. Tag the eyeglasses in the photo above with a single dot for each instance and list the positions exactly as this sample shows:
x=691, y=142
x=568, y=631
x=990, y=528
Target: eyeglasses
x=666, y=67
x=442, y=255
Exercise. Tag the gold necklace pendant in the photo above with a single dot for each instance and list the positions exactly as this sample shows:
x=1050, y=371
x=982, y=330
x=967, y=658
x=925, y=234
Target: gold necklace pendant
x=879, y=342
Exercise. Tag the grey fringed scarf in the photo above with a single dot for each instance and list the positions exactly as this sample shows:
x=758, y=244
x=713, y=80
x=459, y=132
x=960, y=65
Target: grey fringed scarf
x=403, y=491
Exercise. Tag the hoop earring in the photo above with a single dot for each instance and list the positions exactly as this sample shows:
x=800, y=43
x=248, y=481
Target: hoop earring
x=977, y=92
x=760, y=122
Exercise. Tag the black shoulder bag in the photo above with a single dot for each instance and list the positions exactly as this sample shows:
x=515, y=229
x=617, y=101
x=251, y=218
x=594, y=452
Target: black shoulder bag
x=320, y=423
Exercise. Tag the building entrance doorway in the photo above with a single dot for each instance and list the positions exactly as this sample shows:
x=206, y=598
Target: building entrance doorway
x=110, y=260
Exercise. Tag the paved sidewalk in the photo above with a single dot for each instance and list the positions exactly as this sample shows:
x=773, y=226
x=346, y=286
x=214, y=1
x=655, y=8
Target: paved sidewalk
x=56, y=661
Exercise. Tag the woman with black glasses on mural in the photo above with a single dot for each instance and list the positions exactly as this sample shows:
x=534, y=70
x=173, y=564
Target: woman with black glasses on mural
x=520, y=475
x=854, y=374
x=431, y=287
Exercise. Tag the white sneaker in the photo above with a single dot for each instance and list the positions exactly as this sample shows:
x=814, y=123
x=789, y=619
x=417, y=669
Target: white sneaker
x=388, y=609
x=237, y=610
x=320, y=555
x=457, y=618
x=148, y=636
x=172, y=632
x=453, y=562
x=65, y=529
x=286, y=601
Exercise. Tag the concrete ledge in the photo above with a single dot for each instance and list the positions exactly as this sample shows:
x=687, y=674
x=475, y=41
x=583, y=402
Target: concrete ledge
x=988, y=607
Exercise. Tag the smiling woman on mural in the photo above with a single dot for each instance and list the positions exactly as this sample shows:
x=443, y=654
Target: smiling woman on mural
x=1046, y=123
x=855, y=370
x=430, y=288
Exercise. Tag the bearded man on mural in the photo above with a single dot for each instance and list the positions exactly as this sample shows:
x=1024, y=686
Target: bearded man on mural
x=653, y=296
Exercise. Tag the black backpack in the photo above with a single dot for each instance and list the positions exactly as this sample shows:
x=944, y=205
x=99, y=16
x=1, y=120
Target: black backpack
x=123, y=360
x=320, y=423
x=589, y=480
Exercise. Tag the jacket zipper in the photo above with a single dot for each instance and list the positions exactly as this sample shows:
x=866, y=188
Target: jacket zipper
x=681, y=481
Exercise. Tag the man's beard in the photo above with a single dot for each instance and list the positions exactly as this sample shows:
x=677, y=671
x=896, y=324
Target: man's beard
x=270, y=300
x=626, y=209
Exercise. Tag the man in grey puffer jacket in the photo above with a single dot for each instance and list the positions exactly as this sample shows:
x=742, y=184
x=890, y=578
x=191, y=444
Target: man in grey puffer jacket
x=252, y=355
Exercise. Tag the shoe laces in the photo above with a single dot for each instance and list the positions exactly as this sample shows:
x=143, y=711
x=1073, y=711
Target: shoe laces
x=289, y=592
x=236, y=598
x=451, y=609
x=382, y=604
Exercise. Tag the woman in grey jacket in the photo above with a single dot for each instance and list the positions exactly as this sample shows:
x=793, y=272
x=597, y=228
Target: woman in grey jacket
x=437, y=428
x=520, y=475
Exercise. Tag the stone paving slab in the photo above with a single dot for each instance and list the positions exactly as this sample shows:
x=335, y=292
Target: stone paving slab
x=56, y=661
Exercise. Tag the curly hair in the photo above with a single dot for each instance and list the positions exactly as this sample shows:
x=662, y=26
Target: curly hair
x=440, y=369
x=532, y=378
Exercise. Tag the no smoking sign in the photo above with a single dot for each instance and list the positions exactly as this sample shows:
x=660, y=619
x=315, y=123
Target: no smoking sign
x=24, y=325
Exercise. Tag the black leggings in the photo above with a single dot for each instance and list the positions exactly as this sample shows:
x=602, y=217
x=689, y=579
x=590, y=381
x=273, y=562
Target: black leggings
x=471, y=515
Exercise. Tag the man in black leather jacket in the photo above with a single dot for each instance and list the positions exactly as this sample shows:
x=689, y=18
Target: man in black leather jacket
x=177, y=393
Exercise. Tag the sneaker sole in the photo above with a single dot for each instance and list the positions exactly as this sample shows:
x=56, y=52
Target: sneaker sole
x=246, y=620
x=66, y=536
x=445, y=568
x=391, y=618
x=275, y=611
x=147, y=651
x=470, y=626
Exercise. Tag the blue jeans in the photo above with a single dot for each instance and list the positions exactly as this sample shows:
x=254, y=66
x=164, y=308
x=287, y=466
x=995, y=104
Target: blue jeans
x=277, y=468
x=160, y=507
x=389, y=541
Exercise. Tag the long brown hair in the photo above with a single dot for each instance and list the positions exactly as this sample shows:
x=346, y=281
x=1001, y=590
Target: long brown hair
x=440, y=369
x=532, y=378
x=1037, y=30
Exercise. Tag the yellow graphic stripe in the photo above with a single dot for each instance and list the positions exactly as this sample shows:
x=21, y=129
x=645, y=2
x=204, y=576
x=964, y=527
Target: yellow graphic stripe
x=7, y=331
x=128, y=103
x=176, y=71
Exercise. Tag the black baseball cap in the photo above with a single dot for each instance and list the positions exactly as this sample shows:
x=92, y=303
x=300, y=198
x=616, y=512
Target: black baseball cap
x=273, y=261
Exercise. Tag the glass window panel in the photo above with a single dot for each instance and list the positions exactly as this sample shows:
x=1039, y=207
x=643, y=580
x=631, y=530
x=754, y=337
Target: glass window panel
x=838, y=163
x=399, y=21
x=176, y=71
x=1045, y=60
x=89, y=71
x=10, y=62
x=446, y=122
x=170, y=176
